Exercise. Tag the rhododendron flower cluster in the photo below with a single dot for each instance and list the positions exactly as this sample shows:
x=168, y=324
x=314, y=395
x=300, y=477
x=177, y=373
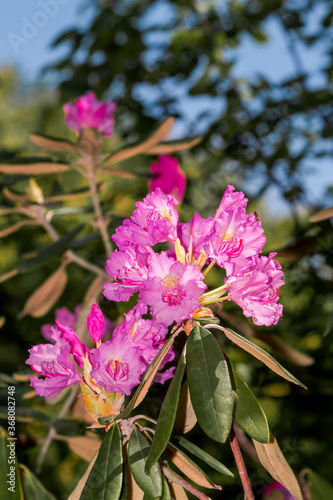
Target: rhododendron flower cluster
x=172, y=282
x=168, y=176
x=115, y=366
x=90, y=113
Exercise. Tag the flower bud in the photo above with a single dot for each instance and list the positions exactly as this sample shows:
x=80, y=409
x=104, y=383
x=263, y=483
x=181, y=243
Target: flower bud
x=95, y=323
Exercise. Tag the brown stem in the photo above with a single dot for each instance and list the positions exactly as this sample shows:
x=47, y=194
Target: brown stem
x=248, y=493
x=100, y=221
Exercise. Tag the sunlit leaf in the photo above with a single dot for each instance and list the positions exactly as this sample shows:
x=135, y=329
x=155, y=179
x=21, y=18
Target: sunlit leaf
x=167, y=416
x=206, y=457
x=271, y=457
x=106, y=477
x=16, y=227
x=260, y=354
x=33, y=166
x=76, y=494
x=138, y=451
x=248, y=412
x=322, y=215
x=167, y=148
x=46, y=295
x=52, y=143
x=144, y=146
x=209, y=384
x=189, y=468
x=185, y=417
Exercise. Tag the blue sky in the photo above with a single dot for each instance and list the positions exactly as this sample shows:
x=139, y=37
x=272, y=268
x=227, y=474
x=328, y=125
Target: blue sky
x=27, y=29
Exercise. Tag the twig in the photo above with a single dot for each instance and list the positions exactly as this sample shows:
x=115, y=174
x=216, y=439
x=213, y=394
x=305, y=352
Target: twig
x=248, y=493
x=72, y=256
x=244, y=443
x=173, y=477
x=52, y=432
x=100, y=221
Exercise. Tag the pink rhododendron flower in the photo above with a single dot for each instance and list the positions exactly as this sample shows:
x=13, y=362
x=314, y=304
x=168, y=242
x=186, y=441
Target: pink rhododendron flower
x=256, y=290
x=129, y=272
x=157, y=215
x=53, y=362
x=90, y=113
x=172, y=290
x=168, y=176
x=235, y=236
x=117, y=366
x=277, y=486
x=231, y=200
x=95, y=323
x=77, y=348
x=195, y=233
x=147, y=336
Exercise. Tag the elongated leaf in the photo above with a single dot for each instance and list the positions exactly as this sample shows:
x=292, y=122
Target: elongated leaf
x=143, y=388
x=106, y=477
x=48, y=252
x=158, y=136
x=133, y=490
x=203, y=455
x=167, y=148
x=320, y=489
x=16, y=227
x=46, y=295
x=260, y=354
x=249, y=414
x=296, y=357
x=209, y=383
x=124, y=174
x=178, y=492
x=189, y=468
x=166, y=490
x=8, y=465
x=85, y=447
x=322, y=215
x=167, y=416
x=52, y=143
x=33, y=488
x=15, y=197
x=138, y=451
x=278, y=345
x=185, y=417
x=76, y=493
x=271, y=457
x=33, y=166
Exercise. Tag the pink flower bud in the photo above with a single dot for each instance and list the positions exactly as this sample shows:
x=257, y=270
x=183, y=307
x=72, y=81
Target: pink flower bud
x=95, y=323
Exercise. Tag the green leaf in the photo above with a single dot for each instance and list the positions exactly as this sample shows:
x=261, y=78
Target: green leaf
x=48, y=252
x=260, y=354
x=144, y=386
x=203, y=455
x=167, y=416
x=209, y=384
x=319, y=488
x=166, y=492
x=106, y=477
x=33, y=488
x=138, y=451
x=249, y=414
x=8, y=460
